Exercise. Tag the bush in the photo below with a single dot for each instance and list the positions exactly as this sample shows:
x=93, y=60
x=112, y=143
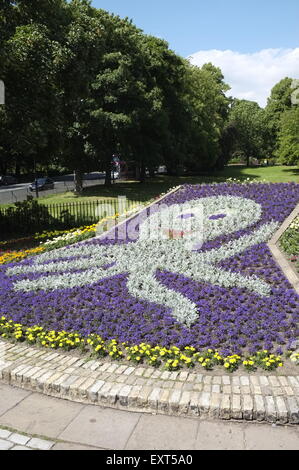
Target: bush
x=24, y=218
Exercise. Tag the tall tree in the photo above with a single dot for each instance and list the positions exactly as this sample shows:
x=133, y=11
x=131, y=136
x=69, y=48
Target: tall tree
x=248, y=119
x=30, y=94
x=76, y=63
x=209, y=109
x=288, y=137
x=278, y=102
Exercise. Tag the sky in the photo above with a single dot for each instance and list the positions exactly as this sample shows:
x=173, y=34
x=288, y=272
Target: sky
x=255, y=42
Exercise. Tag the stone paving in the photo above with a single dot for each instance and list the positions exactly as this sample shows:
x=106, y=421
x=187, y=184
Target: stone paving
x=15, y=441
x=274, y=399
x=56, y=424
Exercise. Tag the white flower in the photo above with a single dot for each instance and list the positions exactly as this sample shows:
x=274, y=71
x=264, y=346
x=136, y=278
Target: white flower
x=203, y=219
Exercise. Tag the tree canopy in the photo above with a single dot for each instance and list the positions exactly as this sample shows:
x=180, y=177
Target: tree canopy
x=82, y=85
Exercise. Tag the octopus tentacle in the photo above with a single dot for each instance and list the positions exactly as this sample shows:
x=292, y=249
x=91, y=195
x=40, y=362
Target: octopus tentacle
x=145, y=286
x=68, y=280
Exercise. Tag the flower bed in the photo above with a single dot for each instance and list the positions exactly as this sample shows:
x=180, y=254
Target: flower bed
x=289, y=243
x=153, y=289
x=53, y=239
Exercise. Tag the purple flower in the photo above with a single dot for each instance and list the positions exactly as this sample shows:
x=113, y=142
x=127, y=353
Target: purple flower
x=232, y=320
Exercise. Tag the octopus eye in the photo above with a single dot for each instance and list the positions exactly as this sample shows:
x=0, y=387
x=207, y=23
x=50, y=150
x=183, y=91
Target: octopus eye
x=217, y=216
x=186, y=216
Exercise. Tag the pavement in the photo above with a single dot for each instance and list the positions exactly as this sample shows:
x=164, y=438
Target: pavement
x=251, y=397
x=30, y=420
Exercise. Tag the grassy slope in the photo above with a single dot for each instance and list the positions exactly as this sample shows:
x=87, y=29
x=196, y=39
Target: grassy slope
x=153, y=187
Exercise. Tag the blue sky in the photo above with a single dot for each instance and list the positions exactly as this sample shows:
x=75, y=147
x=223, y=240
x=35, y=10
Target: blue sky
x=254, y=42
x=193, y=25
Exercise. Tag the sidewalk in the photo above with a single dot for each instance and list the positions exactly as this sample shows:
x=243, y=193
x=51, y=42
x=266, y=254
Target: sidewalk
x=56, y=424
x=272, y=399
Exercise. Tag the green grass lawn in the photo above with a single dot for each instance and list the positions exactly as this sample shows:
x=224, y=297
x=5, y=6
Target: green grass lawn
x=155, y=186
x=135, y=191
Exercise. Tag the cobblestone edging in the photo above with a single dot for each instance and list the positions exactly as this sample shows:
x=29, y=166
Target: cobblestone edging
x=273, y=399
x=10, y=440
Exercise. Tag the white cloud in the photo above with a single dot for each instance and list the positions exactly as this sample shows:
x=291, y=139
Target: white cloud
x=252, y=76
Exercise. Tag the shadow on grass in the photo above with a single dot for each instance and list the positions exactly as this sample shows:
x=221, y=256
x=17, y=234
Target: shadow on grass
x=153, y=187
x=292, y=171
x=134, y=191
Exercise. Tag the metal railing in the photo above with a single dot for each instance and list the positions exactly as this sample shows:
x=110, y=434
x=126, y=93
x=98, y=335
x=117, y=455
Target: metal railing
x=29, y=219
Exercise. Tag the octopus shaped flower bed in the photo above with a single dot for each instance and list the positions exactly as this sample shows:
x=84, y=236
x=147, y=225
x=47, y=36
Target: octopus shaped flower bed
x=193, y=271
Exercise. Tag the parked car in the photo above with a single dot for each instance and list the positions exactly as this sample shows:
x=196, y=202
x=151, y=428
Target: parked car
x=42, y=184
x=7, y=180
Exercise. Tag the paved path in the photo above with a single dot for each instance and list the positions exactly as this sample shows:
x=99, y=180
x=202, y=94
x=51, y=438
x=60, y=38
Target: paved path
x=272, y=398
x=59, y=424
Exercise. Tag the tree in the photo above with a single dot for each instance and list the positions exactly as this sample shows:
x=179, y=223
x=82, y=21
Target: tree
x=28, y=116
x=156, y=136
x=278, y=102
x=83, y=84
x=280, y=98
x=288, y=137
x=76, y=63
x=116, y=90
x=208, y=107
x=228, y=140
x=248, y=120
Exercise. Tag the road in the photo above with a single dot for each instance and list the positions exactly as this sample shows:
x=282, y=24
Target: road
x=19, y=192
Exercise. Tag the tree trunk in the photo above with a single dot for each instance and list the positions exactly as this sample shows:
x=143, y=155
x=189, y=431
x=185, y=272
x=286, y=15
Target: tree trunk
x=142, y=173
x=78, y=180
x=152, y=172
x=108, y=169
x=17, y=170
x=137, y=172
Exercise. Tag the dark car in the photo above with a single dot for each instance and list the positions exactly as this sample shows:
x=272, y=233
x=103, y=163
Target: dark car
x=42, y=184
x=7, y=180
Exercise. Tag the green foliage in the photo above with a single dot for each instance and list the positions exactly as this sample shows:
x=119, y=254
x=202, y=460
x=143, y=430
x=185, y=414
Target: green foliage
x=290, y=239
x=278, y=102
x=82, y=85
x=288, y=137
x=247, y=120
x=208, y=107
x=280, y=98
x=24, y=218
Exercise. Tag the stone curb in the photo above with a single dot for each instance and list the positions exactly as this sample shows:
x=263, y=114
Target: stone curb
x=279, y=256
x=272, y=399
